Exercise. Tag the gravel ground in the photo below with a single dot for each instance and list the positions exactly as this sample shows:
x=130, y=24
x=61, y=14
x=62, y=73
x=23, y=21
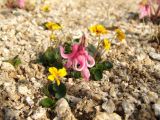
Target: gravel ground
x=130, y=91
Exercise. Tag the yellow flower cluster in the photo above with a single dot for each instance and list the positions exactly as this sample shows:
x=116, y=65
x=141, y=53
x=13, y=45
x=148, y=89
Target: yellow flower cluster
x=120, y=35
x=45, y=8
x=56, y=74
x=52, y=36
x=144, y=2
x=98, y=29
x=52, y=26
x=106, y=44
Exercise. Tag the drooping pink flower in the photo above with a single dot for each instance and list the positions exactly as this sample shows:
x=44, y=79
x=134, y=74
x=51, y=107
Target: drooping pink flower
x=145, y=10
x=21, y=3
x=158, y=2
x=79, y=59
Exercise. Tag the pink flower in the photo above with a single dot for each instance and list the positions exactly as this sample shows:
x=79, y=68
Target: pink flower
x=158, y=1
x=145, y=10
x=21, y=3
x=79, y=59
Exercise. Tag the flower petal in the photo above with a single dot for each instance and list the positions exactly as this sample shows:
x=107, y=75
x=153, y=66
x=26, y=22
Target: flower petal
x=53, y=70
x=58, y=81
x=90, y=60
x=51, y=77
x=74, y=50
x=62, y=72
x=21, y=3
x=79, y=63
x=145, y=10
x=85, y=73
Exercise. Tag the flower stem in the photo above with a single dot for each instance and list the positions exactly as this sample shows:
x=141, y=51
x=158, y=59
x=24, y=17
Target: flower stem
x=157, y=12
x=99, y=42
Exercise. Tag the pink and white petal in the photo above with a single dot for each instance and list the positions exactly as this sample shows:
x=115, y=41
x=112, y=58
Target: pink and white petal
x=80, y=63
x=21, y=3
x=85, y=73
x=90, y=61
x=145, y=10
x=74, y=51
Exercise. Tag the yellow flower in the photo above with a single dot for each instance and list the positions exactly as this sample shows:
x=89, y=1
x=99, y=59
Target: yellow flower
x=106, y=44
x=120, y=35
x=52, y=36
x=52, y=26
x=98, y=29
x=56, y=74
x=45, y=8
x=143, y=2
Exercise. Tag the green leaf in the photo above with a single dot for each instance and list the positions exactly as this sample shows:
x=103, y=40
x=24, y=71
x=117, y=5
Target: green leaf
x=107, y=65
x=47, y=102
x=45, y=90
x=15, y=61
x=76, y=40
x=67, y=47
x=96, y=74
x=97, y=70
x=91, y=49
x=57, y=91
x=100, y=66
x=51, y=57
x=75, y=74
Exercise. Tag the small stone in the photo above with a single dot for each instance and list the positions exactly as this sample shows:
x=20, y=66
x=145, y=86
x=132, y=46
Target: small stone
x=24, y=90
x=73, y=99
x=98, y=108
x=10, y=114
x=156, y=108
x=155, y=56
x=29, y=101
x=157, y=74
x=70, y=81
x=10, y=88
x=29, y=118
x=40, y=114
x=152, y=96
x=113, y=92
x=128, y=108
x=5, y=52
x=36, y=83
x=63, y=110
x=7, y=66
x=107, y=116
x=108, y=106
x=96, y=97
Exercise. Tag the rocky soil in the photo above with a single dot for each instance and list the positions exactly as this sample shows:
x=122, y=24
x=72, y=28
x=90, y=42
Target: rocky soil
x=129, y=91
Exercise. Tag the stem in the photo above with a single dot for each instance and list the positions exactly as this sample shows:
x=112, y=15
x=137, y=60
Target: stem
x=158, y=9
x=101, y=55
x=152, y=8
x=63, y=35
x=99, y=41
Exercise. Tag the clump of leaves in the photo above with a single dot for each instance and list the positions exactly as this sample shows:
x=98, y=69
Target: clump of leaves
x=47, y=102
x=53, y=93
x=51, y=57
x=75, y=74
x=97, y=70
x=16, y=61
